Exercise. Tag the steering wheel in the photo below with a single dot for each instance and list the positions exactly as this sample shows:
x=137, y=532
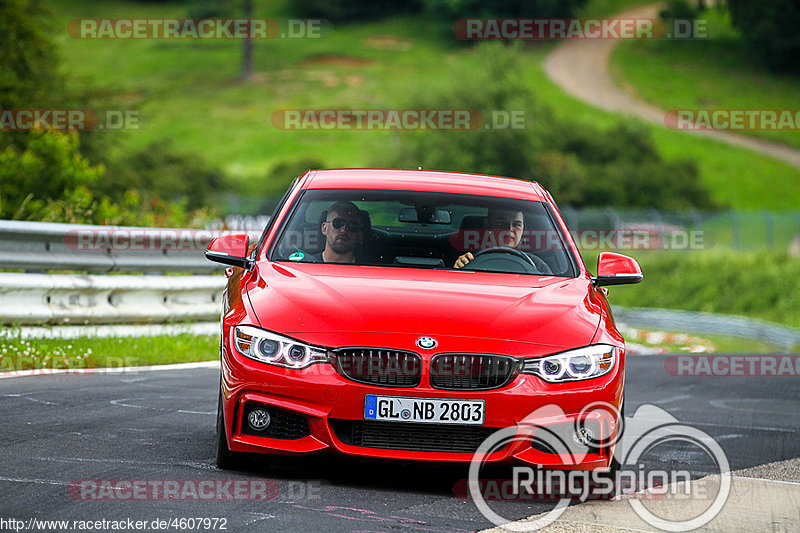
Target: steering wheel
x=529, y=264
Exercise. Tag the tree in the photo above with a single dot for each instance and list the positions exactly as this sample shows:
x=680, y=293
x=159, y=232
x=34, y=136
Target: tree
x=209, y=9
x=28, y=60
x=247, y=51
x=771, y=29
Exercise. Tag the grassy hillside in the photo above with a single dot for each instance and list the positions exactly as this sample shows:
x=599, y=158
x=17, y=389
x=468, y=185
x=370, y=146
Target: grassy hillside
x=716, y=73
x=189, y=93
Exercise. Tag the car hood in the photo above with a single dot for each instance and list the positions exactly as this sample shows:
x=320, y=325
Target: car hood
x=337, y=305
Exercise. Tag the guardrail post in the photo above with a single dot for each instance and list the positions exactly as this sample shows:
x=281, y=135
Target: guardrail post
x=770, y=229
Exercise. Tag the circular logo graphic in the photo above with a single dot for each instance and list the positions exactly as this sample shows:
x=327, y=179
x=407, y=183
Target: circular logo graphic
x=405, y=414
x=258, y=419
x=649, y=428
x=427, y=343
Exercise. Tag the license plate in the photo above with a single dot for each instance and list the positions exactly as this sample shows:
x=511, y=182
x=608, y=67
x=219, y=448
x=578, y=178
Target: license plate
x=430, y=410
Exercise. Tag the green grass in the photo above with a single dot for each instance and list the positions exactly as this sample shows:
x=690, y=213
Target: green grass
x=754, y=284
x=189, y=93
x=723, y=344
x=737, y=178
x=97, y=352
x=712, y=343
x=719, y=72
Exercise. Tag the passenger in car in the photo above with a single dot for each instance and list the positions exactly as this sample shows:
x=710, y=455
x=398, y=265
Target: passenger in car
x=343, y=229
x=509, y=222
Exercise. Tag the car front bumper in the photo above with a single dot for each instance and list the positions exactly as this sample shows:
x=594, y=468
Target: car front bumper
x=317, y=410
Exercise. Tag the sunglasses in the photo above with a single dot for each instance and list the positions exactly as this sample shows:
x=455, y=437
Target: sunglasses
x=352, y=225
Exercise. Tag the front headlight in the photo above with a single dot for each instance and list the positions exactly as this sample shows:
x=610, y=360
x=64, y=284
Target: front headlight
x=573, y=365
x=274, y=349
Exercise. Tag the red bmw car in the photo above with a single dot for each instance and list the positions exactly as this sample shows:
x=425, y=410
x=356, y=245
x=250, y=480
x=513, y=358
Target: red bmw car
x=409, y=314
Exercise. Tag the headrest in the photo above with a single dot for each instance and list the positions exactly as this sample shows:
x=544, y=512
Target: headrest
x=472, y=222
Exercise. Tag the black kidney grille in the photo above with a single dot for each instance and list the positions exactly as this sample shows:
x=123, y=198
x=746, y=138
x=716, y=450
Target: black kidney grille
x=472, y=371
x=390, y=368
x=410, y=436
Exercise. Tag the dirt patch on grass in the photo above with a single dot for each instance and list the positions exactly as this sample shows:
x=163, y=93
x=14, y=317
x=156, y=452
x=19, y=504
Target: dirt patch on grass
x=336, y=60
x=388, y=42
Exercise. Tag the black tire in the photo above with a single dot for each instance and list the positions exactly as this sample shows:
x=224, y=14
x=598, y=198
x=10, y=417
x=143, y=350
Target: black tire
x=616, y=466
x=226, y=459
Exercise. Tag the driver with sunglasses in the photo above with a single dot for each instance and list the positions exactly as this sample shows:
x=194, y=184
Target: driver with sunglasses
x=343, y=229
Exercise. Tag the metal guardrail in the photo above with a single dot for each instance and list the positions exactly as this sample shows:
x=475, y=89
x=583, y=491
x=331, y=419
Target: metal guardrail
x=44, y=246
x=709, y=324
x=36, y=298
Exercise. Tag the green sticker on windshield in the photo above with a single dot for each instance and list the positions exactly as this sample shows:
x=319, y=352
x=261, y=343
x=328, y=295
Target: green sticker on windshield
x=297, y=256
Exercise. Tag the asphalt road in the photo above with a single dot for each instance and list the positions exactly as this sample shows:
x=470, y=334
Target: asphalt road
x=58, y=430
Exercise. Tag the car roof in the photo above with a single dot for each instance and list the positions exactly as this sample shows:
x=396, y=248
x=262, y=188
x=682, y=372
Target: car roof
x=424, y=180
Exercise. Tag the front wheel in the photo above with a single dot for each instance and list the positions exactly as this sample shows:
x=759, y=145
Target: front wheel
x=615, y=466
x=226, y=459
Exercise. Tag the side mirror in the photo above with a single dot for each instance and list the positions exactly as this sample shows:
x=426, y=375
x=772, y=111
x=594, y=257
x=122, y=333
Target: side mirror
x=616, y=269
x=230, y=250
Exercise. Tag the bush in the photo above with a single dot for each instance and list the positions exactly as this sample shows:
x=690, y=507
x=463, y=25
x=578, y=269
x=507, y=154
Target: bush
x=160, y=171
x=771, y=29
x=272, y=187
x=492, y=83
x=453, y=10
x=679, y=9
x=28, y=70
x=47, y=169
x=49, y=180
x=347, y=10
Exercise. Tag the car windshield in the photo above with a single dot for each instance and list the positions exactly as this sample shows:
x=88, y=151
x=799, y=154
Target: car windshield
x=424, y=230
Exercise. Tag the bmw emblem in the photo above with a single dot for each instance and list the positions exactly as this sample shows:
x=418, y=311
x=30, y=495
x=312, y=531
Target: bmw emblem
x=427, y=343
